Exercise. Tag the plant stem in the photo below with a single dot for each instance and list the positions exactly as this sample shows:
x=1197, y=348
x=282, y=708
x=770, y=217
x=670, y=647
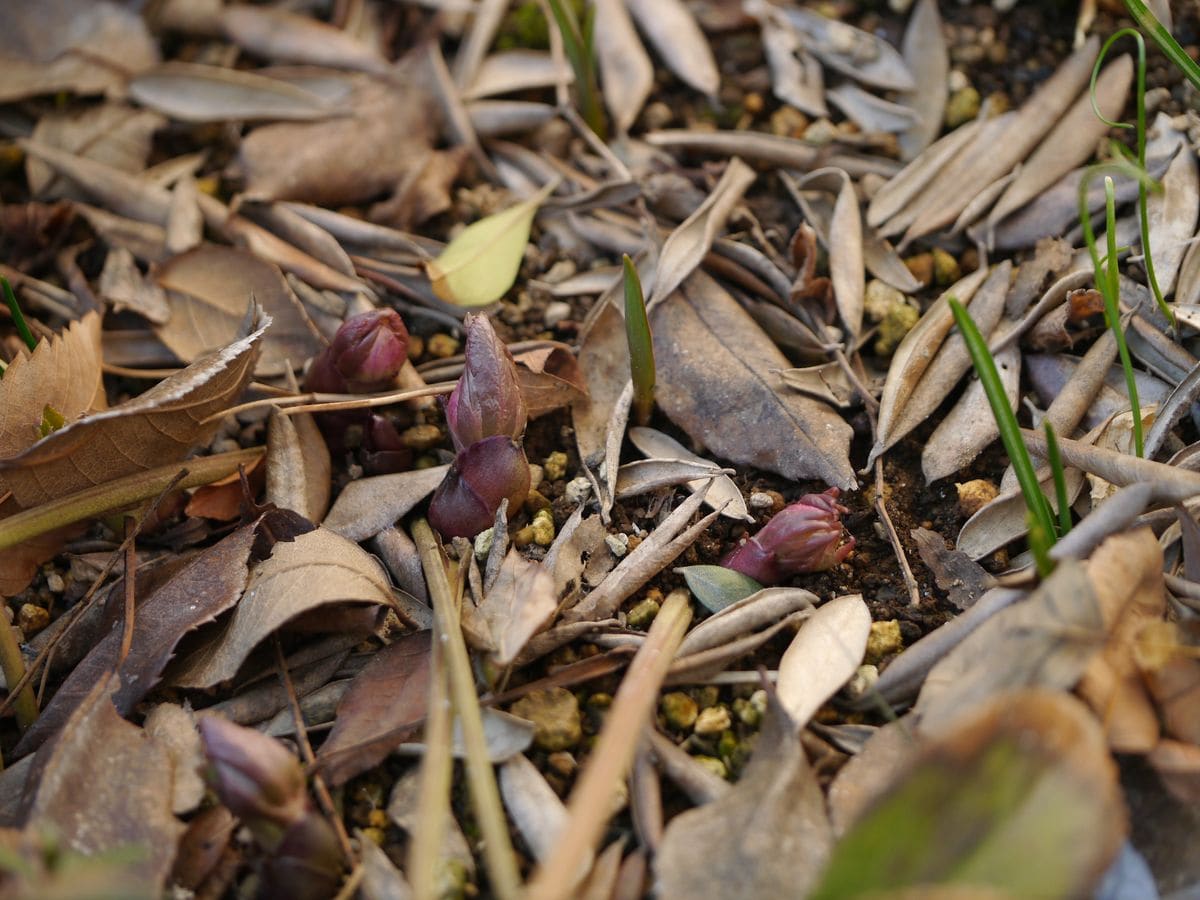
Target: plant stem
x=590, y=806
x=1149, y=23
x=1054, y=456
x=641, y=344
x=10, y=300
x=485, y=796
x=119, y=494
x=13, y=666
x=1112, y=311
x=437, y=769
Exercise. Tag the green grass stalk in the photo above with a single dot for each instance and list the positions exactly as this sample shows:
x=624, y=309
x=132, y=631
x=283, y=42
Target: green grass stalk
x=10, y=300
x=1149, y=23
x=1054, y=457
x=1041, y=530
x=578, y=44
x=641, y=344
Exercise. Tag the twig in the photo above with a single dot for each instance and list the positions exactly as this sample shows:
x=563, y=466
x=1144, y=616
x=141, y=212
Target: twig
x=485, y=796
x=914, y=590
x=306, y=751
x=590, y=805
x=332, y=402
x=130, y=592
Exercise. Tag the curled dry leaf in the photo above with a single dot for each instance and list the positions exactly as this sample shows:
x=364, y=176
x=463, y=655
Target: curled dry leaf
x=842, y=236
x=162, y=424
x=383, y=707
x=1022, y=788
x=298, y=465
x=823, y=656
x=368, y=505
x=207, y=289
x=768, y=836
x=105, y=786
x=721, y=491
x=1003, y=519
x=718, y=380
x=314, y=570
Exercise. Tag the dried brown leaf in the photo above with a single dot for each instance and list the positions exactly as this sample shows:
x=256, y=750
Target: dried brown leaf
x=1173, y=212
x=367, y=506
x=718, y=380
x=626, y=73
x=925, y=52
x=153, y=428
x=284, y=36
x=298, y=465
x=316, y=569
x=670, y=26
x=188, y=92
x=113, y=134
x=550, y=379
x=721, y=491
x=823, y=656
x=516, y=605
x=173, y=728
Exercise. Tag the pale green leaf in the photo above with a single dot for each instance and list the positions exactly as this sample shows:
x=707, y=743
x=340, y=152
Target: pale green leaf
x=481, y=264
x=717, y=587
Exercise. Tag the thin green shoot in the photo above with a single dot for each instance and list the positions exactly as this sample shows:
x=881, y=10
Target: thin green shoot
x=10, y=299
x=1040, y=515
x=1054, y=457
x=641, y=344
x=578, y=44
x=1149, y=23
x=1140, y=158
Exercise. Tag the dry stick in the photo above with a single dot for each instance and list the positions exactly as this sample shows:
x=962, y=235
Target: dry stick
x=914, y=590
x=590, y=806
x=121, y=493
x=306, y=751
x=130, y=592
x=331, y=402
x=485, y=796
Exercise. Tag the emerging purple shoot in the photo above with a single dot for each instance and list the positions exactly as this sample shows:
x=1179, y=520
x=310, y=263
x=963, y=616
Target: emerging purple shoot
x=487, y=400
x=365, y=355
x=487, y=472
x=802, y=537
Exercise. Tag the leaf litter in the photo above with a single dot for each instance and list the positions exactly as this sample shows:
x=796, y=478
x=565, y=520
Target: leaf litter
x=314, y=179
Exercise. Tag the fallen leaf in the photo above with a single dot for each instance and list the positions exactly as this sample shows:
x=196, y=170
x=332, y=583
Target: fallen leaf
x=188, y=92
x=538, y=813
x=1020, y=795
x=153, y=428
x=719, y=491
x=173, y=728
x=823, y=656
x=1172, y=213
x=298, y=465
x=285, y=36
x=767, y=837
x=383, y=707
x=207, y=289
x=955, y=572
x=480, y=264
x=626, y=73
x=717, y=587
x=843, y=238
x=123, y=286
x=516, y=70
x=104, y=786
x=225, y=499
x=886, y=755
x=925, y=53
x=670, y=26
x=550, y=378
x=718, y=380
x=516, y=605
x=316, y=569
x=368, y=505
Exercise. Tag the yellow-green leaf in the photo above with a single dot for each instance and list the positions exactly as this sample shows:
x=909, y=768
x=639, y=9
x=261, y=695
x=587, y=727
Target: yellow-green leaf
x=481, y=264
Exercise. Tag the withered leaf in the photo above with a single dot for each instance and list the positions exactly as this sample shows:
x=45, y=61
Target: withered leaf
x=105, y=786
x=207, y=289
x=285, y=36
x=925, y=53
x=1019, y=796
x=550, y=379
x=1173, y=213
x=855, y=53
x=189, y=92
x=626, y=73
x=367, y=506
x=766, y=837
x=298, y=465
x=670, y=26
x=173, y=728
x=384, y=705
x=516, y=605
x=210, y=584
x=150, y=430
x=719, y=489
x=314, y=570
x=718, y=380
x=841, y=232
x=823, y=656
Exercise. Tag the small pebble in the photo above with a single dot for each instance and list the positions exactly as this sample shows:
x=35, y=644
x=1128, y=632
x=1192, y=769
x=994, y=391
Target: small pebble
x=946, y=269
x=55, y=583
x=483, y=543
x=555, y=465
x=577, y=490
x=543, y=528
x=898, y=322
x=760, y=701
x=862, y=681
x=554, y=713
x=31, y=619
x=560, y=271
x=883, y=641
x=377, y=818
x=442, y=345
x=536, y=475
x=679, y=710
x=421, y=437
x=974, y=495
x=963, y=106
x=746, y=712
x=761, y=500
x=563, y=763
x=657, y=115
x=536, y=501
x=618, y=544
x=642, y=614
x=787, y=121
x=556, y=311
x=713, y=720
x=879, y=299
x=713, y=764
x=921, y=266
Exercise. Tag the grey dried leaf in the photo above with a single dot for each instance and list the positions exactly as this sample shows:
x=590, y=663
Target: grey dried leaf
x=185, y=220
x=284, y=36
x=534, y=807
x=124, y=286
x=626, y=73
x=1003, y=519
x=190, y=92
x=676, y=36
x=823, y=656
x=851, y=51
x=493, y=118
x=484, y=25
x=827, y=381
x=955, y=572
x=757, y=612
x=869, y=112
x=925, y=53
x=908, y=184
x=870, y=772
x=368, y=505
x=721, y=491
x=298, y=466
x=841, y=233
x=516, y=70
x=644, y=476
x=309, y=237
x=796, y=76
x=717, y=379
x=915, y=353
x=515, y=605
x=1173, y=212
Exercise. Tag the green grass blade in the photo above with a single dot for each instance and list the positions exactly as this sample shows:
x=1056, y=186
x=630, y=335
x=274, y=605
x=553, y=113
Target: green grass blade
x=1054, y=456
x=1040, y=542
x=641, y=344
x=10, y=300
x=1149, y=23
x=578, y=45
x=1110, y=287
x=1006, y=422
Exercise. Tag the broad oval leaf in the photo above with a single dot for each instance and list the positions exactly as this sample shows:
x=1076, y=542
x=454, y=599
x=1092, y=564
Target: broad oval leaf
x=823, y=656
x=717, y=587
x=189, y=92
x=481, y=263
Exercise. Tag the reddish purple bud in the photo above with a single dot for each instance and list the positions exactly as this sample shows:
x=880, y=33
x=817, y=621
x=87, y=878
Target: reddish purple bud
x=487, y=472
x=487, y=400
x=383, y=450
x=366, y=354
x=255, y=776
x=803, y=537
x=307, y=865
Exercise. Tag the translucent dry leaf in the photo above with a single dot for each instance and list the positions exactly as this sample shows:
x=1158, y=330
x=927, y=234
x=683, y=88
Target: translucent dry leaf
x=189, y=92
x=516, y=605
x=823, y=656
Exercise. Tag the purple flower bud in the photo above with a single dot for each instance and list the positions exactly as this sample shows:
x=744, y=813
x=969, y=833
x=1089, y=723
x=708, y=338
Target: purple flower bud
x=255, y=776
x=803, y=537
x=366, y=354
x=307, y=863
x=487, y=472
x=383, y=450
x=487, y=400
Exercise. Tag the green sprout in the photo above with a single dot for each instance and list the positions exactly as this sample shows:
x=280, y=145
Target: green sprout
x=10, y=300
x=1054, y=456
x=578, y=44
x=1039, y=516
x=1149, y=23
x=641, y=344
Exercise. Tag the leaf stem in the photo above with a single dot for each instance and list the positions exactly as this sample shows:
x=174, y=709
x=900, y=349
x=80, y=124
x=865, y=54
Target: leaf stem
x=13, y=666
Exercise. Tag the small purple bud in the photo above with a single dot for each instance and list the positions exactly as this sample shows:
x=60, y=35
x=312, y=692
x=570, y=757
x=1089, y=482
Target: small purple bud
x=803, y=537
x=366, y=354
x=383, y=450
x=487, y=472
x=255, y=776
x=307, y=864
x=487, y=400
